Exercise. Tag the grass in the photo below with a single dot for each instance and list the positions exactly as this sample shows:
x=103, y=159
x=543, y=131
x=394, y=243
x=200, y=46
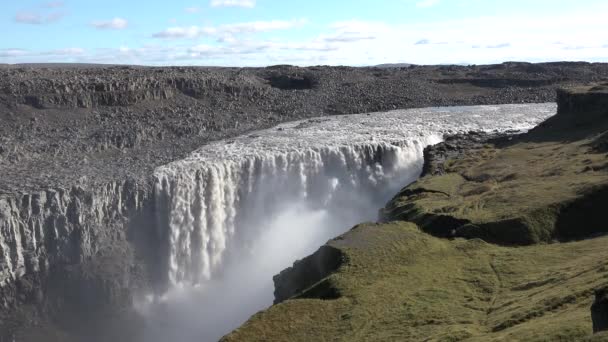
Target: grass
x=400, y=284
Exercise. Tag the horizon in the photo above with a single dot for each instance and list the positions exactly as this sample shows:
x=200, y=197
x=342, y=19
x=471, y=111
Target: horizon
x=382, y=65
x=258, y=33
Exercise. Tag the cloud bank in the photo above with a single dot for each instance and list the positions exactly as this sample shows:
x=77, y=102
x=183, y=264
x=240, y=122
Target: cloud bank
x=233, y=3
x=113, y=24
x=223, y=31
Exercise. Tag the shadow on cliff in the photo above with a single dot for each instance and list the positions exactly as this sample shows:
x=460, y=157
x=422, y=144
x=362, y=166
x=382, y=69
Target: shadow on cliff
x=582, y=114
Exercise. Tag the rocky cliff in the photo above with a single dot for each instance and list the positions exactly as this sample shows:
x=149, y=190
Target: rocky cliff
x=70, y=254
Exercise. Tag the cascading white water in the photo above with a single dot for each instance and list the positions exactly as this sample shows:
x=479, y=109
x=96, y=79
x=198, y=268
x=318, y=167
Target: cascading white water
x=237, y=212
x=212, y=202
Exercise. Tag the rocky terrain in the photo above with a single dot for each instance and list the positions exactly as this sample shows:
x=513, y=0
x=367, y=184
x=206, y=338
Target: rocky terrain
x=62, y=126
x=78, y=146
x=503, y=238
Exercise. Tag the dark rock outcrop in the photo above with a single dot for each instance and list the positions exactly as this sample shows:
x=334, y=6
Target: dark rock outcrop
x=600, y=144
x=454, y=147
x=584, y=103
x=299, y=279
x=599, y=311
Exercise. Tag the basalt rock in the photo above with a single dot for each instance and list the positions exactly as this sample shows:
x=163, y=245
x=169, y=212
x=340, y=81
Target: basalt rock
x=66, y=251
x=599, y=311
x=299, y=279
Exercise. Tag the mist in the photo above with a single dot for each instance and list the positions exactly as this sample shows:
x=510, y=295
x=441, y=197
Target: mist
x=244, y=286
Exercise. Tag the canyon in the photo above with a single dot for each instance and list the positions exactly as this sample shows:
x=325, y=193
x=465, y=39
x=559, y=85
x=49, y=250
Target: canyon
x=121, y=185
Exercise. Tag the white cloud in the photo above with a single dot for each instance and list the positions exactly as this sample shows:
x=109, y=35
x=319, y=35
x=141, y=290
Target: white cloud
x=53, y=4
x=261, y=26
x=577, y=47
x=427, y=3
x=499, y=46
x=114, y=24
x=360, y=26
x=243, y=48
x=353, y=31
x=185, y=32
x=193, y=10
x=41, y=56
x=54, y=17
x=12, y=52
x=67, y=52
x=233, y=3
x=423, y=42
x=225, y=32
x=29, y=18
x=348, y=37
x=35, y=18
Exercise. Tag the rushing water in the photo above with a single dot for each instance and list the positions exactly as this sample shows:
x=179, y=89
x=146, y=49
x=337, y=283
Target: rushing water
x=236, y=212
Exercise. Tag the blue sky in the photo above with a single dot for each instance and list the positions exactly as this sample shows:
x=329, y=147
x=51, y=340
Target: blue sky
x=313, y=32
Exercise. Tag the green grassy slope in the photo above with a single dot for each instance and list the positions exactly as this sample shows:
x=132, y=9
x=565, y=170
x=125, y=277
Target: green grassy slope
x=400, y=284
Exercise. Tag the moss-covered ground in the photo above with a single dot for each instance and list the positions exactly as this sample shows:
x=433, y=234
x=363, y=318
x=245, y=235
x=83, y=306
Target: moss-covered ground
x=400, y=284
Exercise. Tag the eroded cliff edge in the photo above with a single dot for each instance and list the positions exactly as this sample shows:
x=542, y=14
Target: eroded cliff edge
x=543, y=191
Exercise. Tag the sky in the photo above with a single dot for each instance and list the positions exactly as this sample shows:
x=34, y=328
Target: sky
x=312, y=32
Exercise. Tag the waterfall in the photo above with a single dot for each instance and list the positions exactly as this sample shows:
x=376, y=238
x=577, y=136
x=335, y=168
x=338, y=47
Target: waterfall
x=214, y=206
x=236, y=212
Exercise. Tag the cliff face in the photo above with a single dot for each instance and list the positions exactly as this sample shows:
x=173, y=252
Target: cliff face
x=127, y=87
x=582, y=102
x=305, y=273
x=66, y=251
